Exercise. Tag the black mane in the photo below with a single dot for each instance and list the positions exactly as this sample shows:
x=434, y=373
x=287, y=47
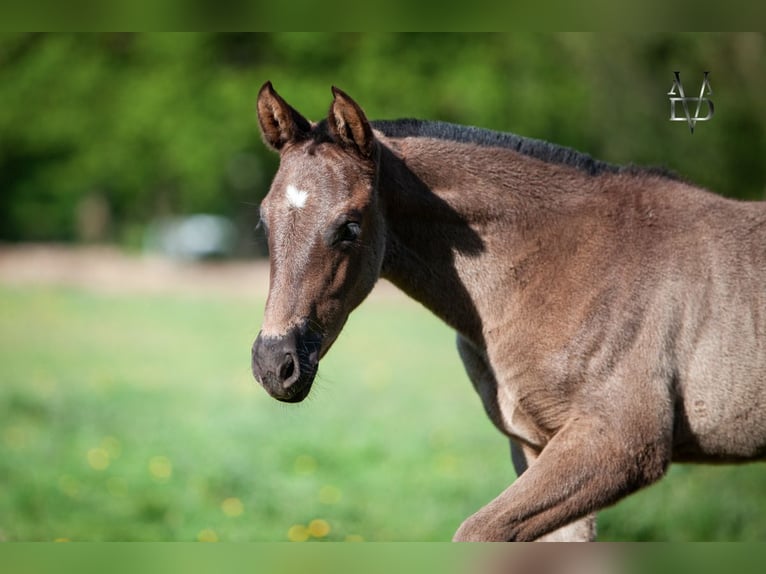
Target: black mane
x=536, y=148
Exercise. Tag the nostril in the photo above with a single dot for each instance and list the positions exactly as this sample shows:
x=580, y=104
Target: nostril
x=287, y=369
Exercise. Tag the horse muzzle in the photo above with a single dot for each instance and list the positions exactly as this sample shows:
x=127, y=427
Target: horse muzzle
x=286, y=365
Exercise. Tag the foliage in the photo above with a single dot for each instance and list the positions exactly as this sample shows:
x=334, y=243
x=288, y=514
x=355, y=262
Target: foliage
x=158, y=124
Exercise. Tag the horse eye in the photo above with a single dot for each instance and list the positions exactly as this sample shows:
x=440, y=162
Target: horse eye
x=348, y=232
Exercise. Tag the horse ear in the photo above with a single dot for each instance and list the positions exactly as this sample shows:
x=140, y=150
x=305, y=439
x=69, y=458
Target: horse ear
x=280, y=123
x=349, y=125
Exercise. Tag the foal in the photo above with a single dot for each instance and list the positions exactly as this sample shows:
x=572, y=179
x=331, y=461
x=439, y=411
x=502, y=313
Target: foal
x=611, y=319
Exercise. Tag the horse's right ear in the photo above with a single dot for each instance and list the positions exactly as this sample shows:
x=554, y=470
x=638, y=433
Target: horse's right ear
x=280, y=123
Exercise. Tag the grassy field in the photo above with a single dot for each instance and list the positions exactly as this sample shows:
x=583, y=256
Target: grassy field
x=134, y=417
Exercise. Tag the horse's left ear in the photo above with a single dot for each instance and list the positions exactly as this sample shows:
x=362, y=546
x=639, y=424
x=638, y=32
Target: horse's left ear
x=349, y=125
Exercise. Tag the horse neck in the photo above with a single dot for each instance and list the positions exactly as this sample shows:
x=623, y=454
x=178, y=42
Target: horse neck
x=456, y=214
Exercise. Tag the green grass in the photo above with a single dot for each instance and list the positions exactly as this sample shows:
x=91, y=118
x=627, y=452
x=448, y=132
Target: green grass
x=136, y=418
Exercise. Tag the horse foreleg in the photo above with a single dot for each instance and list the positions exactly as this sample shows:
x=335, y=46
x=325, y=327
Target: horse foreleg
x=587, y=466
x=483, y=379
x=583, y=530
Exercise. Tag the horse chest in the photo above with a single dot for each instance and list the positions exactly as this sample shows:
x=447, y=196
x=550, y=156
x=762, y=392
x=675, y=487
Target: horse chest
x=516, y=419
x=507, y=402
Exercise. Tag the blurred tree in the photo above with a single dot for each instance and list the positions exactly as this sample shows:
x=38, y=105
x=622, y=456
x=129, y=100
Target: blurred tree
x=146, y=125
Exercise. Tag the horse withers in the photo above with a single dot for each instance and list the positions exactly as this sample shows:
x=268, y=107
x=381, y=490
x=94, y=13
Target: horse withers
x=612, y=319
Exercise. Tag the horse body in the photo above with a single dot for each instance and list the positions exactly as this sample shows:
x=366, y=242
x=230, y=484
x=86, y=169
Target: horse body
x=625, y=271
x=611, y=320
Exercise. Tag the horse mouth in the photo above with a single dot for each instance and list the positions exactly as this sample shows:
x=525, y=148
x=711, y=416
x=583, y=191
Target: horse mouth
x=286, y=366
x=295, y=397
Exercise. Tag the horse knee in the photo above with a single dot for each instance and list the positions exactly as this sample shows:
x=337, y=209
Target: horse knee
x=475, y=529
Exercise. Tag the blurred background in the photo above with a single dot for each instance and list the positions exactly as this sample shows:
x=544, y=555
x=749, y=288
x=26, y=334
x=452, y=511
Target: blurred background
x=132, y=280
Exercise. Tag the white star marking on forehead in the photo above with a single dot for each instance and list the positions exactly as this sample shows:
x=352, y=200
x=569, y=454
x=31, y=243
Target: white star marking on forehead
x=296, y=197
